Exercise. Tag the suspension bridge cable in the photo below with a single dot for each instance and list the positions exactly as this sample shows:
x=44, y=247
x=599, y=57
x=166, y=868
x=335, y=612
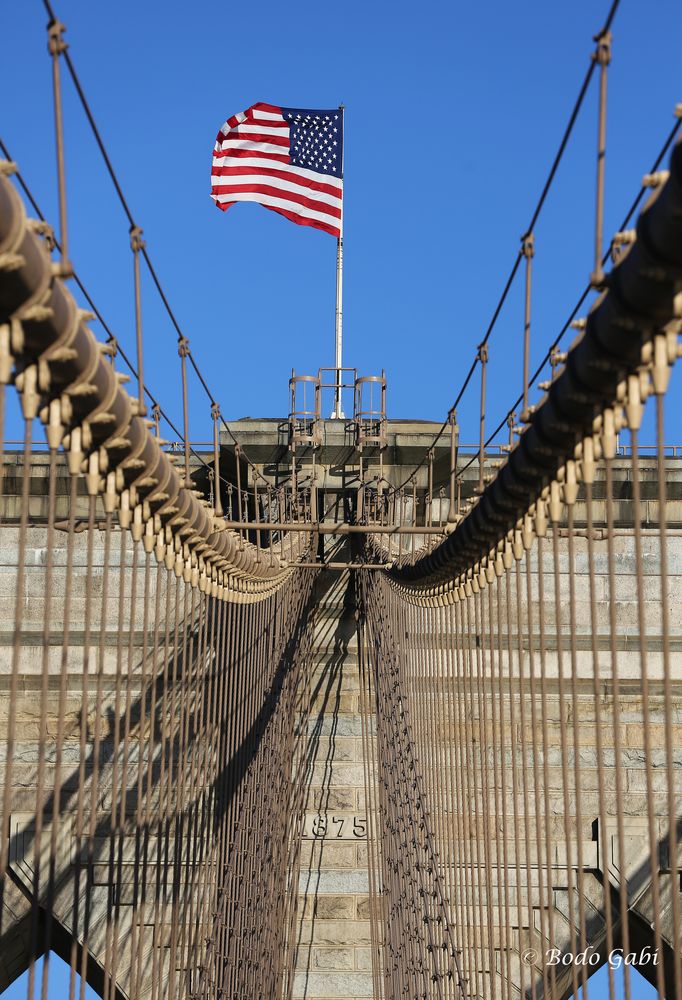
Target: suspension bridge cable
x=93, y=125
x=533, y=221
x=132, y=222
x=576, y=309
x=501, y=301
x=105, y=326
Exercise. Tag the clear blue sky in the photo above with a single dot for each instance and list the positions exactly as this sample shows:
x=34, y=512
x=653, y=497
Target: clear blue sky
x=454, y=113
x=59, y=975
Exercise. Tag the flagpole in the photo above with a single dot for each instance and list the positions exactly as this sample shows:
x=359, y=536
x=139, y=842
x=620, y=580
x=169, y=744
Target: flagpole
x=338, y=413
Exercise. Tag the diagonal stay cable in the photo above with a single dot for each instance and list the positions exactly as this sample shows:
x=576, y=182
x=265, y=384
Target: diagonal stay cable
x=131, y=220
x=579, y=304
x=533, y=221
x=100, y=318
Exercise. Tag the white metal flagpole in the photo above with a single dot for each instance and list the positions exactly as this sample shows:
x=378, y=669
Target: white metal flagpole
x=338, y=413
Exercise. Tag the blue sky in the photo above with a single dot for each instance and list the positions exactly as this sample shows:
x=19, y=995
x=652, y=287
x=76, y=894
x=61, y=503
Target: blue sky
x=598, y=985
x=59, y=975
x=454, y=113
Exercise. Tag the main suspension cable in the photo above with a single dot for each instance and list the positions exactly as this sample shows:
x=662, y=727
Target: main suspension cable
x=113, y=339
x=133, y=223
x=529, y=229
x=579, y=304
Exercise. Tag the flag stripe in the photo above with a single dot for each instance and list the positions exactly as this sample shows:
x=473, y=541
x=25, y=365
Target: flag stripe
x=269, y=172
x=271, y=201
x=322, y=202
x=229, y=153
x=332, y=229
x=259, y=133
x=230, y=144
x=262, y=128
x=266, y=116
x=224, y=205
x=265, y=109
x=269, y=166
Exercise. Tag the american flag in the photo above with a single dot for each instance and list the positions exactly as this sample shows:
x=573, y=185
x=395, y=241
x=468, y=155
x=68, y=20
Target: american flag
x=288, y=159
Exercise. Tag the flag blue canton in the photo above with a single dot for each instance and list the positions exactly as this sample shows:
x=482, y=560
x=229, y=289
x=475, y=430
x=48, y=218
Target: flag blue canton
x=316, y=139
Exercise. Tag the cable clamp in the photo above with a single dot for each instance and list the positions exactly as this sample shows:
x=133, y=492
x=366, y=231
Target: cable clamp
x=55, y=38
x=602, y=54
x=136, y=241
